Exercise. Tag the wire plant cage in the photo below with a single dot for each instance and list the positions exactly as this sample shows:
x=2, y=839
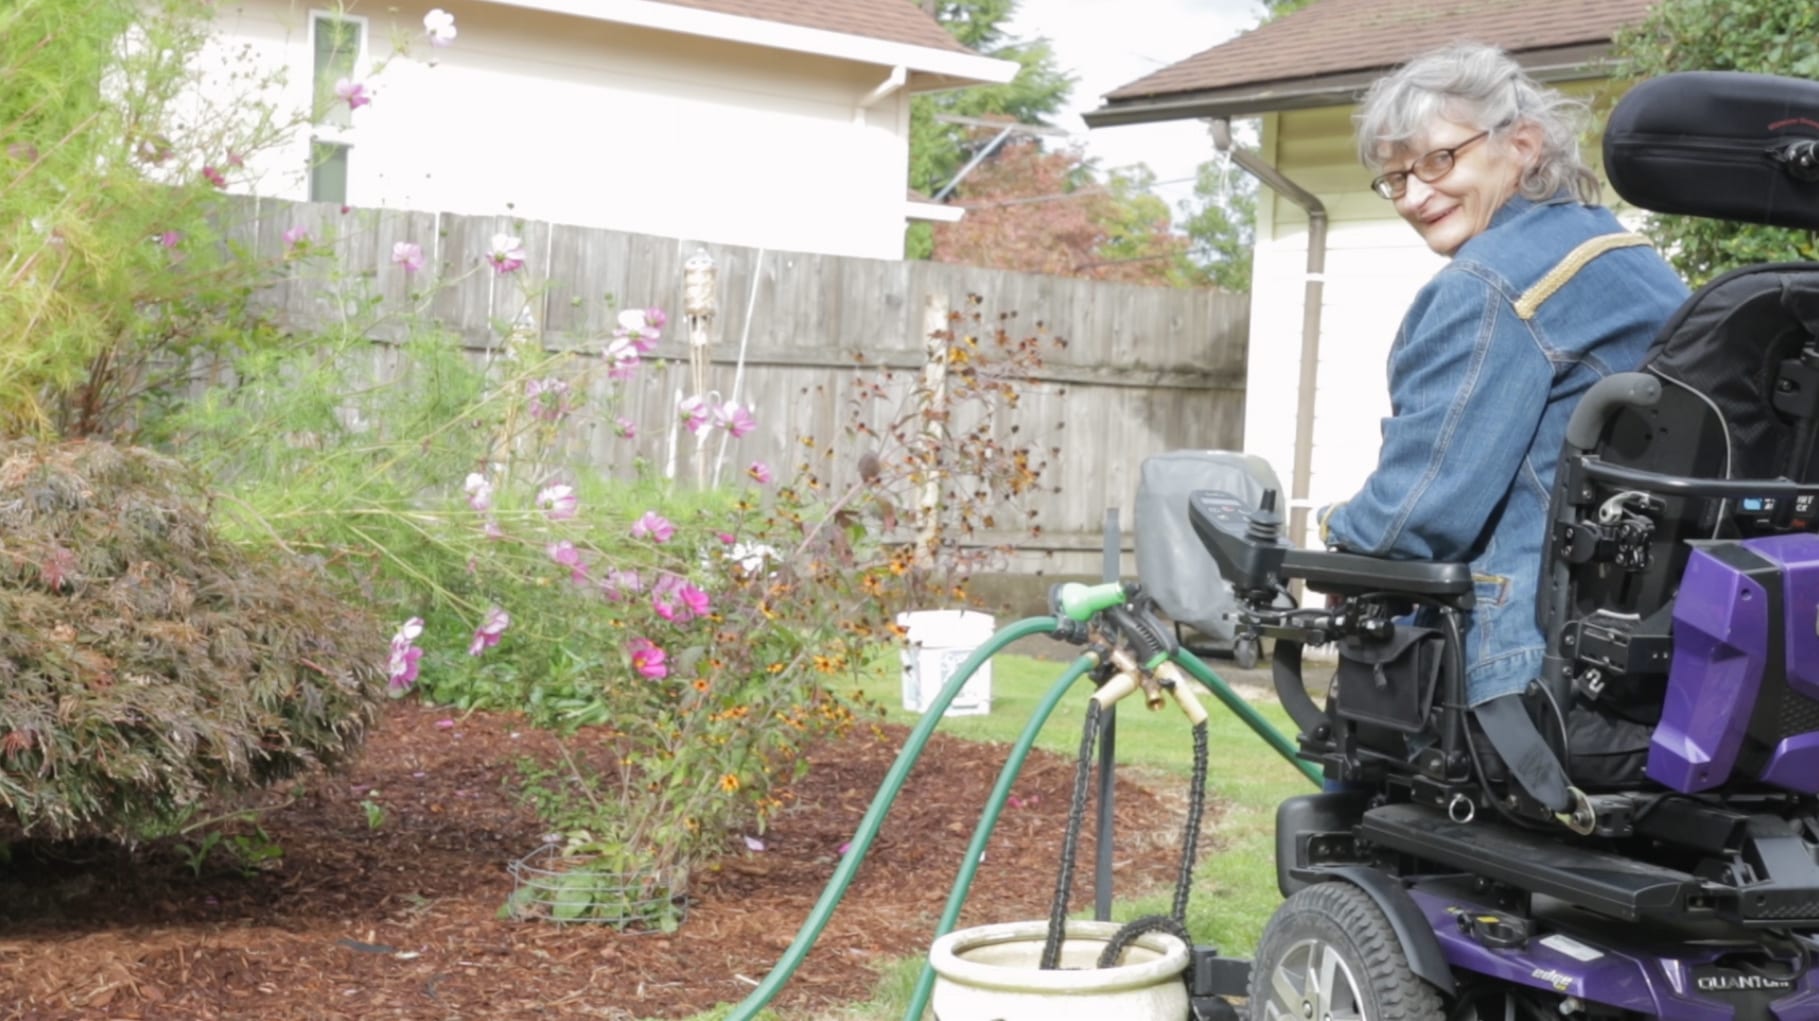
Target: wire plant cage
x=548, y=885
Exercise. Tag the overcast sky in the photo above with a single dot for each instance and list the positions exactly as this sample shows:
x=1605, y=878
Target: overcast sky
x=1109, y=43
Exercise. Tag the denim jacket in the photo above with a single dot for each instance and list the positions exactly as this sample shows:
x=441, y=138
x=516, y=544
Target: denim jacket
x=1481, y=386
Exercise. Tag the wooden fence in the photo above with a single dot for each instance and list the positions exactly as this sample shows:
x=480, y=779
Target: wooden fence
x=1143, y=369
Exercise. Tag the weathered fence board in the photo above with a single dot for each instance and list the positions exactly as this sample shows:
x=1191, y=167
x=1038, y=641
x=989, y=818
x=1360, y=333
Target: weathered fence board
x=1143, y=369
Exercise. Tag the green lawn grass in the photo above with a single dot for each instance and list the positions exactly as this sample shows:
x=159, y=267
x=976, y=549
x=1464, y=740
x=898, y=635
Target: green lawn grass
x=1235, y=884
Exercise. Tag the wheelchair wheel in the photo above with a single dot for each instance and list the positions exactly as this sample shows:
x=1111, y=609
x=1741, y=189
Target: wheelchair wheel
x=1245, y=652
x=1329, y=954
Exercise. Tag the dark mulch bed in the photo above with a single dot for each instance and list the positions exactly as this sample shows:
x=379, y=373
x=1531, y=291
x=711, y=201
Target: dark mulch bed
x=400, y=921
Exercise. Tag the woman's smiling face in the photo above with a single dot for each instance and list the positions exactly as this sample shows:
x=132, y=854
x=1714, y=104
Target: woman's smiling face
x=1458, y=206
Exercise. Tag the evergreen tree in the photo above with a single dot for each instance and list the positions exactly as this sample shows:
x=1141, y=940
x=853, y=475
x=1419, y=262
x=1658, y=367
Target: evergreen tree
x=938, y=149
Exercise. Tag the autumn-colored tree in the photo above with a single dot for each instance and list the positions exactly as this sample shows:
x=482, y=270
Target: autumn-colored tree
x=939, y=145
x=1045, y=211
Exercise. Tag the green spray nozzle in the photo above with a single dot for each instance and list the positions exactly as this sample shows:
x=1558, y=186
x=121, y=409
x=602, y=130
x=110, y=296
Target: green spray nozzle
x=1080, y=602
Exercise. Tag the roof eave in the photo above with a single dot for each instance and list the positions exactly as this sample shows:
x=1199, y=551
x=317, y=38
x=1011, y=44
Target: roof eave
x=931, y=67
x=1576, y=62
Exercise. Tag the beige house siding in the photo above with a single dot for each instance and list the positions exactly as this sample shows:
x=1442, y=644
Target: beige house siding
x=596, y=123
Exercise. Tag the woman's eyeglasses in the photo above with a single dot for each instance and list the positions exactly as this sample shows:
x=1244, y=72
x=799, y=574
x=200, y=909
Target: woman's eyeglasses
x=1429, y=168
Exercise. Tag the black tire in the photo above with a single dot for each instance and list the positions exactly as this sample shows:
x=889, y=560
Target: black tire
x=1329, y=954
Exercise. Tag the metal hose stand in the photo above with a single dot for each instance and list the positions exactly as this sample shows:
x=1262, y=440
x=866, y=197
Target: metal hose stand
x=1070, y=842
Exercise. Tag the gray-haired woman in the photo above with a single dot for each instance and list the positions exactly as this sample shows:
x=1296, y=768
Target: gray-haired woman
x=1544, y=295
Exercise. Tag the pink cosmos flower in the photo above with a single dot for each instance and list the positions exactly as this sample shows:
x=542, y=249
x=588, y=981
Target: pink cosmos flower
x=637, y=327
x=492, y=530
x=409, y=255
x=666, y=609
x=439, y=25
x=401, y=670
x=153, y=150
x=479, y=492
x=678, y=601
x=695, y=413
x=618, y=584
x=625, y=428
x=568, y=556
x=735, y=419
x=353, y=92
x=653, y=526
x=558, y=501
x=759, y=473
x=548, y=398
x=170, y=238
x=296, y=236
x=487, y=634
x=215, y=177
x=623, y=356
x=648, y=658
x=507, y=254
x=693, y=599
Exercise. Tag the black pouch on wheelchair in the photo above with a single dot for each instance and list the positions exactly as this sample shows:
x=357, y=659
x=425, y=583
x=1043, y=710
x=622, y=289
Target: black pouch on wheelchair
x=1606, y=750
x=1721, y=144
x=1389, y=683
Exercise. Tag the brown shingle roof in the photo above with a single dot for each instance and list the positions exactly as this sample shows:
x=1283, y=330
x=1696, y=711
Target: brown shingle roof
x=898, y=21
x=1338, y=37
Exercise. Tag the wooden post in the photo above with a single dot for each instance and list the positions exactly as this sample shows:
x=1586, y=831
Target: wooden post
x=934, y=422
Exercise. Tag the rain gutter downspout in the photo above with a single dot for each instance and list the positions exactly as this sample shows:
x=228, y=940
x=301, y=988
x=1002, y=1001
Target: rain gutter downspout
x=1310, y=315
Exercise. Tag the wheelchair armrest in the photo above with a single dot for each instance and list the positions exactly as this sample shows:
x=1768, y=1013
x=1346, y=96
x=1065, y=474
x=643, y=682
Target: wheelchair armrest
x=1353, y=574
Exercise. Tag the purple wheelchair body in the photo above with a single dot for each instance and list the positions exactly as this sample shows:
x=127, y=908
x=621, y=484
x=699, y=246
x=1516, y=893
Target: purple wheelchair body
x=1745, y=630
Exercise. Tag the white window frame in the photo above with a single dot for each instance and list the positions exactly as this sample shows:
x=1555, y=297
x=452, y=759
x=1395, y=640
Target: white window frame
x=321, y=132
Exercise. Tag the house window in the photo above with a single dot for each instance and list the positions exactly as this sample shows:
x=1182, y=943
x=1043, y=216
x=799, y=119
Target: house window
x=328, y=172
x=337, y=44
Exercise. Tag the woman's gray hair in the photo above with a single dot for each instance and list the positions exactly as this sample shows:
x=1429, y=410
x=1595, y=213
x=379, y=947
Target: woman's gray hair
x=1482, y=87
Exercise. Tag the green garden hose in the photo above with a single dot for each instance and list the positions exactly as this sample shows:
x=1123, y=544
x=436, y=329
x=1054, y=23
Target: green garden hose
x=1265, y=730
x=988, y=820
x=748, y=1008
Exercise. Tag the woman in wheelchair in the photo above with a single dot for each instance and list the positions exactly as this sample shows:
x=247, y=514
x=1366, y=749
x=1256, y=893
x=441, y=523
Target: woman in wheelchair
x=1545, y=294
x=1585, y=487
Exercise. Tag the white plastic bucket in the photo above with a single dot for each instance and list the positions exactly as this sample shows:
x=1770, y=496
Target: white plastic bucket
x=993, y=973
x=939, y=641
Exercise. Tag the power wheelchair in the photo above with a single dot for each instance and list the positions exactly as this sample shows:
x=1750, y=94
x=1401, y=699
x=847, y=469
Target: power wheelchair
x=1680, y=691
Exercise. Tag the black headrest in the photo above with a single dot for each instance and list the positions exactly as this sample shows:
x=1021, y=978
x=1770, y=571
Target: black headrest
x=1720, y=144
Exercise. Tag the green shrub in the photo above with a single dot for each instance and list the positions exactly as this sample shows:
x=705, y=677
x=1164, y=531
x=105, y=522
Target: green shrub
x=147, y=666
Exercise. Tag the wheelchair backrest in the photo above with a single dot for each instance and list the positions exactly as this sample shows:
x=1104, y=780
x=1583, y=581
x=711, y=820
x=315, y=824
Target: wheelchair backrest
x=1739, y=400
x=1713, y=587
